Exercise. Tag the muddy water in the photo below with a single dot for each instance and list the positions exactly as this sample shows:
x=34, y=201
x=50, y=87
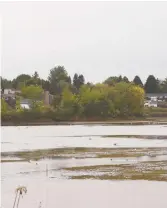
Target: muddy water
x=85, y=166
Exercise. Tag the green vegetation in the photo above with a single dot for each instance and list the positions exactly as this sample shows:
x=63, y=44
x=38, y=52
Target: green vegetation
x=121, y=163
x=4, y=107
x=32, y=92
x=75, y=100
x=155, y=112
x=9, y=161
x=140, y=171
x=79, y=152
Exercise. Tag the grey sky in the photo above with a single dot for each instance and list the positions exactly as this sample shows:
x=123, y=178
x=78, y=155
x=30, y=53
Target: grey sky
x=97, y=39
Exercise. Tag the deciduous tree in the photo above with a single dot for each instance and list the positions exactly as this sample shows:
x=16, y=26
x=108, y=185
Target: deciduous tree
x=58, y=78
x=32, y=92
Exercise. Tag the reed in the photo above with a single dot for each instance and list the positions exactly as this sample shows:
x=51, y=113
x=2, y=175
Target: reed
x=19, y=192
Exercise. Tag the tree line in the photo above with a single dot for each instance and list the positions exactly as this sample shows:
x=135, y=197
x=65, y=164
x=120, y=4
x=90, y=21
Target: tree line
x=58, y=78
x=77, y=99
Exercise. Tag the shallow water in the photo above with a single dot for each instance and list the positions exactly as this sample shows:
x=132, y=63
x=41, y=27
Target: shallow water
x=86, y=152
x=90, y=194
x=42, y=137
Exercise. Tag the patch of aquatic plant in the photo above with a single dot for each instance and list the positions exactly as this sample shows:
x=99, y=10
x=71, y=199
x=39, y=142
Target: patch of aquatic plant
x=139, y=171
x=118, y=155
x=151, y=177
x=81, y=152
x=137, y=136
x=8, y=161
x=115, y=136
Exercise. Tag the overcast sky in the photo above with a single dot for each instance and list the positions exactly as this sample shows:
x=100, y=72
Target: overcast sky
x=97, y=39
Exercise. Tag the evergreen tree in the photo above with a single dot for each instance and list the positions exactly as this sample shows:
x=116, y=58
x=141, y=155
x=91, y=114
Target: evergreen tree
x=151, y=85
x=138, y=81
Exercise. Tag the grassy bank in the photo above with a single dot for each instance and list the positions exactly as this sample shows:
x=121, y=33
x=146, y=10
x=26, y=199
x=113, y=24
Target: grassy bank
x=43, y=122
x=49, y=123
x=155, y=112
x=150, y=116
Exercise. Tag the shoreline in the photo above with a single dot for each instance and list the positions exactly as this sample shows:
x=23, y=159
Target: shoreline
x=114, y=122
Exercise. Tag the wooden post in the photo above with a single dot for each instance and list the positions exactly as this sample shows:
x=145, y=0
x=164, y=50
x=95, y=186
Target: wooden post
x=46, y=170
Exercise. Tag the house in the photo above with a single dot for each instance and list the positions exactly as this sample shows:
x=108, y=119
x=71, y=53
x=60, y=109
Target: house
x=10, y=100
x=47, y=97
x=9, y=96
x=159, y=96
x=153, y=102
x=156, y=100
x=11, y=91
x=25, y=103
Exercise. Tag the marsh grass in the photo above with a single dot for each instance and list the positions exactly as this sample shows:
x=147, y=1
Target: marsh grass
x=8, y=161
x=137, y=136
x=140, y=171
x=146, y=170
x=80, y=152
x=19, y=192
x=150, y=177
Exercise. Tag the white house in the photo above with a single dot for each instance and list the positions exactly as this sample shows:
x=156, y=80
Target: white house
x=25, y=103
x=9, y=91
x=25, y=106
x=152, y=103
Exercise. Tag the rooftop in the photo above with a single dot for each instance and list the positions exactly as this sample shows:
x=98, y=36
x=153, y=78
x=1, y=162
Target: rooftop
x=156, y=94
